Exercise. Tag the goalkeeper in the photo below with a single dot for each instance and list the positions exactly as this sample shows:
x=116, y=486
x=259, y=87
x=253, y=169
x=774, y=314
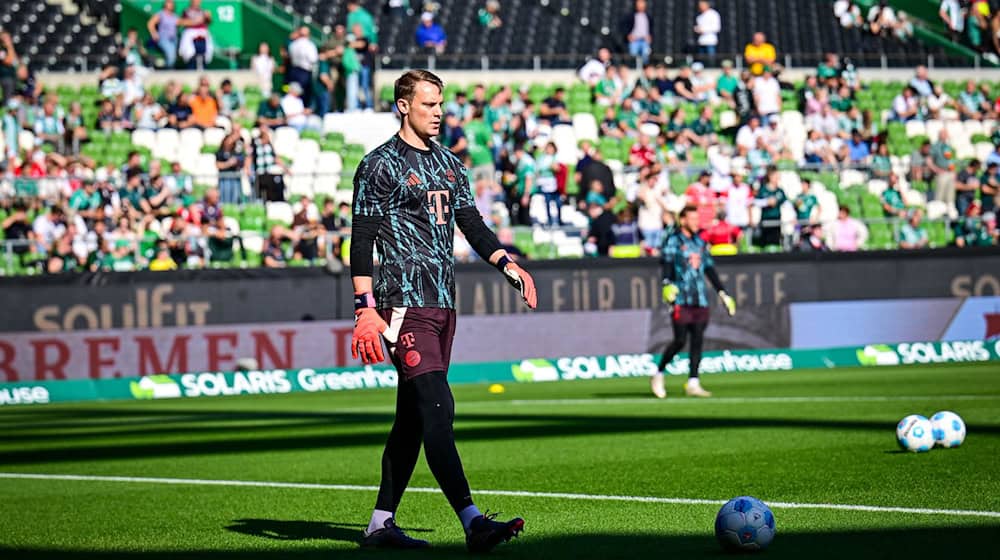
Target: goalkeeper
x=686, y=263
x=409, y=194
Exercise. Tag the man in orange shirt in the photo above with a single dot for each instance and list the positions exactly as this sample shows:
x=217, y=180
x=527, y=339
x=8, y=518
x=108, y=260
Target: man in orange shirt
x=204, y=106
x=759, y=53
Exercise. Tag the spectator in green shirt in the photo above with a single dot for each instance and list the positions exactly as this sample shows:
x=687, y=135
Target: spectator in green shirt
x=770, y=197
x=357, y=15
x=520, y=196
x=913, y=235
x=727, y=83
x=971, y=231
x=942, y=166
x=829, y=68
x=892, y=200
x=489, y=17
x=881, y=162
x=270, y=114
x=805, y=203
x=86, y=201
x=702, y=130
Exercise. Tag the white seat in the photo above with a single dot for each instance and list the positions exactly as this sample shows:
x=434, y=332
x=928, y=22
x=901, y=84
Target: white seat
x=191, y=137
x=286, y=140
x=934, y=127
x=964, y=150
x=973, y=127
x=877, y=186
x=202, y=167
x=948, y=114
x=300, y=185
x=224, y=123
x=956, y=129
x=585, y=126
x=851, y=177
x=914, y=198
x=618, y=171
x=937, y=209
x=307, y=149
x=166, y=144
x=570, y=247
x=728, y=119
x=329, y=163
x=788, y=219
x=304, y=166
x=144, y=138
x=649, y=129
x=790, y=183
x=915, y=128
x=540, y=235
x=828, y=207
x=792, y=117
x=25, y=139
x=213, y=136
x=983, y=150
x=232, y=224
x=280, y=212
x=253, y=242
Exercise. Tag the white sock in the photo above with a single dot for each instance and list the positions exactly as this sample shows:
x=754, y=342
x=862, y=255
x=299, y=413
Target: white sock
x=468, y=514
x=694, y=383
x=379, y=518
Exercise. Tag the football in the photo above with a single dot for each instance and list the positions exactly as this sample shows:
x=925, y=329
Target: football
x=948, y=429
x=914, y=433
x=744, y=524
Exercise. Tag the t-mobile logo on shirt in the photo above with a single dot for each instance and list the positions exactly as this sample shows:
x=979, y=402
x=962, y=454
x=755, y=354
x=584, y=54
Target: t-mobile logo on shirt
x=438, y=201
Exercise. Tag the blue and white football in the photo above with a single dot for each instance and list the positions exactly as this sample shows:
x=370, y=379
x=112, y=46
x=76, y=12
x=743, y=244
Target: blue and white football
x=744, y=524
x=948, y=429
x=915, y=433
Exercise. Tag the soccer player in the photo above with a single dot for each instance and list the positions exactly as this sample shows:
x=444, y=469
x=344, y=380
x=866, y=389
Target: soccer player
x=686, y=263
x=408, y=195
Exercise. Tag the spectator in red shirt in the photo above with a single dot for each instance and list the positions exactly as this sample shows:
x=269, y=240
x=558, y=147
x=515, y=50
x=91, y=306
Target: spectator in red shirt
x=701, y=196
x=642, y=153
x=721, y=232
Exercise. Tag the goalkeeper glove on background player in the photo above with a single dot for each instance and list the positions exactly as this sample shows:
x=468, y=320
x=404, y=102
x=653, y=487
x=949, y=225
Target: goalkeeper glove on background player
x=728, y=302
x=670, y=292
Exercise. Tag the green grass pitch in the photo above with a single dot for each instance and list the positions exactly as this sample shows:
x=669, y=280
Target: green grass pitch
x=803, y=441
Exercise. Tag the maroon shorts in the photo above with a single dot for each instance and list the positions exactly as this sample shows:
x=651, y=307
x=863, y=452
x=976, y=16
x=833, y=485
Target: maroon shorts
x=423, y=338
x=690, y=315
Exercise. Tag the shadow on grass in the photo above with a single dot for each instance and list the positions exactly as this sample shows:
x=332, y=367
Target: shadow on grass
x=279, y=530
x=370, y=429
x=961, y=542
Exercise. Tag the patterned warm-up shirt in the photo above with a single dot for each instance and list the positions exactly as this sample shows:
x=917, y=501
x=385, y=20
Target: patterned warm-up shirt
x=684, y=262
x=416, y=194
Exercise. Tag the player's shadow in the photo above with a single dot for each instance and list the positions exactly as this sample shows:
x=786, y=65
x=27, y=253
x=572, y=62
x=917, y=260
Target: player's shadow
x=882, y=544
x=281, y=530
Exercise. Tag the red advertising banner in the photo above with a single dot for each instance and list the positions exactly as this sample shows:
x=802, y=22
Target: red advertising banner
x=128, y=353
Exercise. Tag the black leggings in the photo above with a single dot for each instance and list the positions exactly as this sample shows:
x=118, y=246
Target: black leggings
x=681, y=331
x=425, y=413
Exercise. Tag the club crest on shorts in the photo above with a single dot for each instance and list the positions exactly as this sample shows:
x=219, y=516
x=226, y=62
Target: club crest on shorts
x=412, y=358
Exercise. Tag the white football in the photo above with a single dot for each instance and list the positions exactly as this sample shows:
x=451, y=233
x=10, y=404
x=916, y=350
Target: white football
x=948, y=429
x=915, y=433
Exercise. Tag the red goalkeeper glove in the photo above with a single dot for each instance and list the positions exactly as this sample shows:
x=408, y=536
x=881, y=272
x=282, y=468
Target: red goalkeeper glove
x=520, y=280
x=367, y=341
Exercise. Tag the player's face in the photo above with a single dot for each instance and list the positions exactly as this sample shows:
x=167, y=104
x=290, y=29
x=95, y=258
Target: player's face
x=425, y=112
x=691, y=221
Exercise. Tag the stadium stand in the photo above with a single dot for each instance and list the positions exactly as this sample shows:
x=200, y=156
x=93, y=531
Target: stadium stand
x=232, y=192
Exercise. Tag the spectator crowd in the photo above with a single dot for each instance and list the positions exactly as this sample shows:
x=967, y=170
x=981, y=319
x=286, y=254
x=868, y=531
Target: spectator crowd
x=680, y=136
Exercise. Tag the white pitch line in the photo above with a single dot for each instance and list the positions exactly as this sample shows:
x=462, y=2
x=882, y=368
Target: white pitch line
x=750, y=400
x=508, y=493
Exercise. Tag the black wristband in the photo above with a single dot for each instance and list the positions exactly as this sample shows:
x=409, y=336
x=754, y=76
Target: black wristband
x=364, y=301
x=503, y=262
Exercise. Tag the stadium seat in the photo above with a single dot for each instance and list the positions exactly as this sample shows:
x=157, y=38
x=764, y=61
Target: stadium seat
x=585, y=127
x=213, y=136
x=877, y=186
x=566, y=144
x=279, y=212
x=167, y=140
x=915, y=128
x=144, y=137
x=728, y=119
x=286, y=141
x=937, y=209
